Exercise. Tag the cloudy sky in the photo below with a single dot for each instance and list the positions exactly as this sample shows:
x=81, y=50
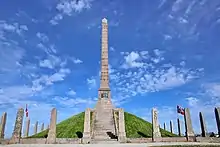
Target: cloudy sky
x=161, y=54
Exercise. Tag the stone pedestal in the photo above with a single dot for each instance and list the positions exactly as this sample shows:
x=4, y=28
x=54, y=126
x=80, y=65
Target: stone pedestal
x=188, y=125
x=2, y=125
x=156, y=136
x=87, y=128
x=121, y=127
x=51, y=138
x=16, y=135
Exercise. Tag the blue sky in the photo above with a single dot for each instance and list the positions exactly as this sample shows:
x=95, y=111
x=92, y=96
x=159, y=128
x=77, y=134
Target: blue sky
x=161, y=54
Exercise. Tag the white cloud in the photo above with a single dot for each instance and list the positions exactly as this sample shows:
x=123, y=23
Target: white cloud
x=176, y=5
x=51, y=62
x=42, y=37
x=150, y=77
x=112, y=49
x=77, y=61
x=192, y=101
x=167, y=37
x=56, y=18
x=131, y=60
x=71, y=93
x=91, y=82
x=68, y=7
x=14, y=27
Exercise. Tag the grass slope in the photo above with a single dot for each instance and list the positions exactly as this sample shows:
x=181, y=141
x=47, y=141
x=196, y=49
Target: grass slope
x=135, y=127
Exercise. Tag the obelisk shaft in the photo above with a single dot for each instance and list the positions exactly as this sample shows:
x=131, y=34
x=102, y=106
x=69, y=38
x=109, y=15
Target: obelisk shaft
x=104, y=56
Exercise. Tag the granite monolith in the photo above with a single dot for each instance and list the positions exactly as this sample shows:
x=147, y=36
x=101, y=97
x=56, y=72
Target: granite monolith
x=16, y=135
x=156, y=136
x=42, y=127
x=51, y=138
x=178, y=127
x=2, y=125
x=188, y=124
x=27, y=127
x=121, y=126
x=35, y=127
x=217, y=117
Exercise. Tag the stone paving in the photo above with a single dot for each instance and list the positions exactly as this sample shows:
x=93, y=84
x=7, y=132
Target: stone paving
x=111, y=145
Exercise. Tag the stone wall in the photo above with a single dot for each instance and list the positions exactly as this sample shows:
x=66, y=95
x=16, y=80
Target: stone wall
x=208, y=139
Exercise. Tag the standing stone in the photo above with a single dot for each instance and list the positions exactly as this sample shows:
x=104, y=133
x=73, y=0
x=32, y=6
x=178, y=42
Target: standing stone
x=35, y=127
x=42, y=127
x=51, y=138
x=178, y=126
x=217, y=116
x=164, y=126
x=27, y=127
x=48, y=127
x=2, y=125
x=16, y=135
x=171, y=126
x=156, y=136
x=188, y=124
x=121, y=127
x=203, y=125
x=86, y=132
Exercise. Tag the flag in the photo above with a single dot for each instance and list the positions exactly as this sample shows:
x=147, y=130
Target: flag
x=180, y=110
x=26, y=111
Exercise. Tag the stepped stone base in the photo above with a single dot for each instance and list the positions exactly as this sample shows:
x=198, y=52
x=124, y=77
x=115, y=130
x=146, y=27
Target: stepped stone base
x=104, y=125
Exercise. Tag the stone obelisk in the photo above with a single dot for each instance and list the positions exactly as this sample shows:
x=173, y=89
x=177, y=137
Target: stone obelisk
x=104, y=121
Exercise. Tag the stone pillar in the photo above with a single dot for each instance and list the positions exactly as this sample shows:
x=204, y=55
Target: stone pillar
x=16, y=135
x=156, y=136
x=203, y=125
x=178, y=126
x=2, y=125
x=86, y=131
x=217, y=116
x=121, y=126
x=188, y=124
x=35, y=127
x=48, y=127
x=164, y=126
x=51, y=138
x=27, y=127
x=171, y=126
x=42, y=127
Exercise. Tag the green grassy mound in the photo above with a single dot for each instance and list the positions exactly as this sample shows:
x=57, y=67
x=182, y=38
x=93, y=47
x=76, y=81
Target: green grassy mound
x=73, y=127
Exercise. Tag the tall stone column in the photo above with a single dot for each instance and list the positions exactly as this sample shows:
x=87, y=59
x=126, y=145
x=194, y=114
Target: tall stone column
x=48, y=127
x=156, y=136
x=2, y=125
x=35, y=127
x=27, y=127
x=171, y=126
x=188, y=124
x=121, y=126
x=42, y=127
x=16, y=135
x=203, y=125
x=164, y=126
x=51, y=138
x=178, y=125
x=217, y=116
x=86, y=132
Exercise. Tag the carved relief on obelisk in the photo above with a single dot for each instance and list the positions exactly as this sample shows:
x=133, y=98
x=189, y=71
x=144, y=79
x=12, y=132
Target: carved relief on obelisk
x=104, y=90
